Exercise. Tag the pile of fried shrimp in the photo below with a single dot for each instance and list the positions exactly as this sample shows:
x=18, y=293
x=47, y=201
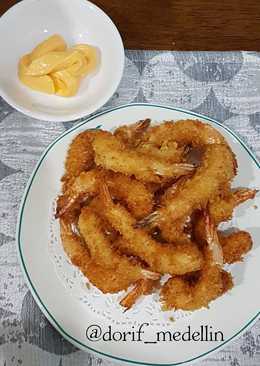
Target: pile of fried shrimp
x=146, y=201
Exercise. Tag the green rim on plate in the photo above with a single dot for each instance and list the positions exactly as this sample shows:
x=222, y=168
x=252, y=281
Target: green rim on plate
x=19, y=244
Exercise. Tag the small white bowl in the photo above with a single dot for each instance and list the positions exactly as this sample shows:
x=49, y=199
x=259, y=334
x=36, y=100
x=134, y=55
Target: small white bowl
x=31, y=21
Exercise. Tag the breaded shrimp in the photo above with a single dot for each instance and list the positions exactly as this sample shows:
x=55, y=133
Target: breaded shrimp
x=80, y=156
x=173, y=231
x=142, y=287
x=138, y=199
x=178, y=293
x=185, y=132
x=134, y=136
x=212, y=282
x=90, y=226
x=167, y=139
x=221, y=209
x=117, y=279
x=111, y=154
x=173, y=259
x=168, y=151
x=218, y=166
x=134, y=208
x=97, y=206
x=79, y=255
x=84, y=186
x=235, y=245
x=73, y=245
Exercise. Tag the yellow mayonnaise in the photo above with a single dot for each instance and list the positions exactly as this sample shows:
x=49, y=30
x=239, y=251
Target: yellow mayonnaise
x=90, y=55
x=53, y=68
x=43, y=83
x=66, y=85
x=53, y=43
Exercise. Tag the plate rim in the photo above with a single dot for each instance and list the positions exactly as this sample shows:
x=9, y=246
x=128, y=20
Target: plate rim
x=29, y=282
x=45, y=116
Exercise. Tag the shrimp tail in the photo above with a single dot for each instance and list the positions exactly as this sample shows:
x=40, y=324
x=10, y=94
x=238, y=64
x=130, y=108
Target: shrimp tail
x=63, y=209
x=149, y=275
x=213, y=240
x=131, y=297
x=142, y=125
x=178, y=169
x=142, y=287
x=148, y=220
x=243, y=195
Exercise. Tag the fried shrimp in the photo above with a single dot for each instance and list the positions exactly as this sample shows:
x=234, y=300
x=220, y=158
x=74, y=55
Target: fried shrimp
x=77, y=251
x=134, y=136
x=111, y=154
x=96, y=206
x=170, y=140
x=80, y=156
x=117, y=279
x=221, y=209
x=218, y=166
x=73, y=245
x=173, y=231
x=211, y=282
x=174, y=259
x=90, y=226
x=235, y=245
x=138, y=199
x=168, y=151
x=180, y=293
x=83, y=187
x=185, y=132
x=146, y=201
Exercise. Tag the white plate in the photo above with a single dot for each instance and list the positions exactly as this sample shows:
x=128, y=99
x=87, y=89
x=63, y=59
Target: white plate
x=72, y=307
x=79, y=21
